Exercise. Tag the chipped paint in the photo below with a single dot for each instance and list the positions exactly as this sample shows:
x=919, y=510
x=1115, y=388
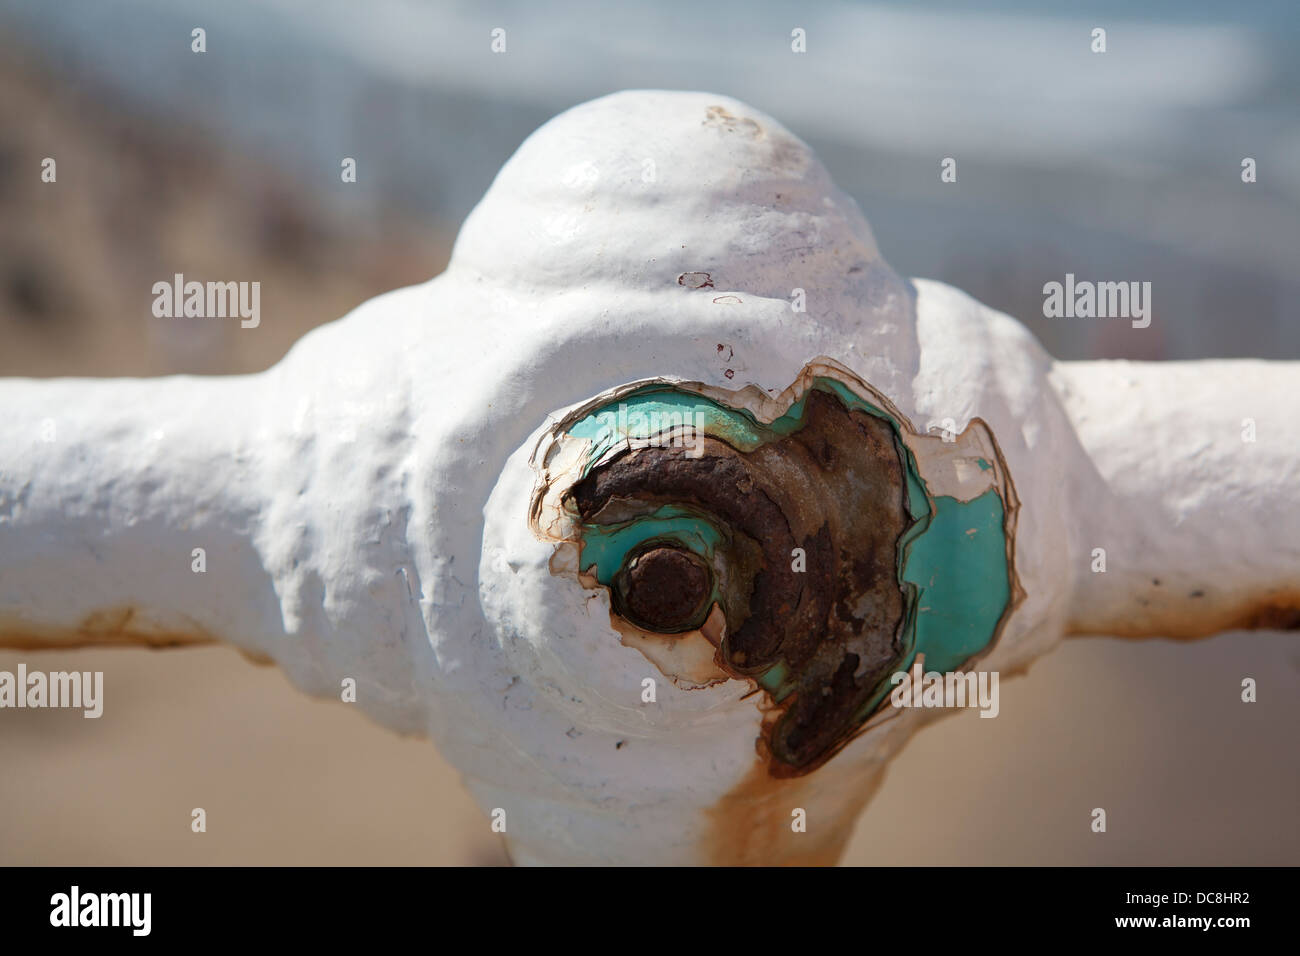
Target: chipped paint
x=620, y=474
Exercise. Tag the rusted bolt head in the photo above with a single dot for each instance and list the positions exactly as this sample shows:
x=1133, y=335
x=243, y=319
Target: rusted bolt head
x=665, y=589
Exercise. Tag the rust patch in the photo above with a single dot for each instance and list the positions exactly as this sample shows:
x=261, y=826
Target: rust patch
x=832, y=490
x=1271, y=616
x=751, y=824
x=664, y=589
x=121, y=626
x=1202, y=614
x=720, y=118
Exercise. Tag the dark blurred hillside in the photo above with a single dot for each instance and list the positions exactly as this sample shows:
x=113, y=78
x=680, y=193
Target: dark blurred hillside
x=136, y=202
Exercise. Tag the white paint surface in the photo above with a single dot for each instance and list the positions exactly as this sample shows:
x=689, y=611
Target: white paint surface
x=363, y=505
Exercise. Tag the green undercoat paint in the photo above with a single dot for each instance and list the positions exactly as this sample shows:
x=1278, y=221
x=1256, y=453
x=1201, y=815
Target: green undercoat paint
x=959, y=567
x=952, y=560
x=604, y=547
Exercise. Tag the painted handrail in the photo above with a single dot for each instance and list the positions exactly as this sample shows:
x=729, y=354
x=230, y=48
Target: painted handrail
x=637, y=509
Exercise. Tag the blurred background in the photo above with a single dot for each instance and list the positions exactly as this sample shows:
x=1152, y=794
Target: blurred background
x=1117, y=166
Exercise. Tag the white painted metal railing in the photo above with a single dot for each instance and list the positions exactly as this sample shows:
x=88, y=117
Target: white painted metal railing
x=361, y=511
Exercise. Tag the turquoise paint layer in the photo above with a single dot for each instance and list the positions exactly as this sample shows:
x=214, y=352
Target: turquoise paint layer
x=952, y=561
x=605, y=546
x=655, y=409
x=959, y=568
x=957, y=577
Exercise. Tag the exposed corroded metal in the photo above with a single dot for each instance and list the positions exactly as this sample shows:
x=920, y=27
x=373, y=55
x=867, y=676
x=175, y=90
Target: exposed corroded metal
x=829, y=562
x=664, y=588
x=808, y=580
